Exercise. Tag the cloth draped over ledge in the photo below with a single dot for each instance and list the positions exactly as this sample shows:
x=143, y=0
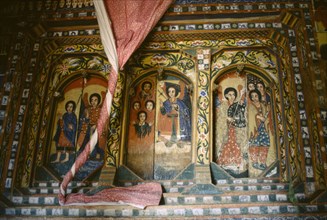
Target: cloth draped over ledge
x=123, y=25
x=139, y=196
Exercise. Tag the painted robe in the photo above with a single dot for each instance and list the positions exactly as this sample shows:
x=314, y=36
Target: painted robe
x=179, y=119
x=260, y=135
x=231, y=152
x=65, y=133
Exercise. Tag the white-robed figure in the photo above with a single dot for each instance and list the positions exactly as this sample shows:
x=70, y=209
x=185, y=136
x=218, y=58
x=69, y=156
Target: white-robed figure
x=231, y=149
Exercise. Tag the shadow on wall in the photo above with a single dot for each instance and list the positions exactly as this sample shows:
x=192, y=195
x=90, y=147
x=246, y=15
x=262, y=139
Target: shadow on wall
x=323, y=51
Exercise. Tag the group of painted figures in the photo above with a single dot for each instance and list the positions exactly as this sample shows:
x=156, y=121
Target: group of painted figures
x=244, y=139
x=144, y=116
x=174, y=121
x=73, y=134
x=246, y=136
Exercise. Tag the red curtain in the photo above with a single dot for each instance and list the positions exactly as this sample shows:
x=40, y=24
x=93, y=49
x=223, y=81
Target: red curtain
x=132, y=20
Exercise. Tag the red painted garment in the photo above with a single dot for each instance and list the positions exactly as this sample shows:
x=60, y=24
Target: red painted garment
x=231, y=154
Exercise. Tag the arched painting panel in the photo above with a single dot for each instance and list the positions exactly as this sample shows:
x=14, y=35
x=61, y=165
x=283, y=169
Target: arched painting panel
x=75, y=119
x=244, y=131
x=160, y=127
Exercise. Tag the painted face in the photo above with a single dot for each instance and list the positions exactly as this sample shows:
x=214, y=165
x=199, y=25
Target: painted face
x=136, y=106
x=171, y=92
x=147, y=87
x=80, y=3
x=142, y=117
x=94, y=101
x=230, y=96
x=149, y=106
x=62, y=3
x=70, y=108
x=254, y=97
x=86, y=3
x=260, y=87
x=251, y=86
x=74, y=3
x=68, y=3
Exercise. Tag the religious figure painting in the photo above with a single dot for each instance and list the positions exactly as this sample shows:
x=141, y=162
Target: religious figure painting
x=177, y=112
x=66, y=132
x=231, y=123
x=159, y=133
x=90, y=114
x=142, y=127
x=76, y=119
x=244, y=137
x=173, y=128
x=140, y=149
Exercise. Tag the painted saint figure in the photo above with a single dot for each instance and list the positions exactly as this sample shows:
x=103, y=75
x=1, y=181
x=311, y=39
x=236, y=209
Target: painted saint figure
x=150, y=109
x=65, y=132
x=259, y=131
x=141, y=135
x=88, y=124
x=149, y=105
x=231, y=152
x=178, y=113
x=145, y=93
x=136, y=105
x=142, y=128
x=265, y=97
x=251, y=86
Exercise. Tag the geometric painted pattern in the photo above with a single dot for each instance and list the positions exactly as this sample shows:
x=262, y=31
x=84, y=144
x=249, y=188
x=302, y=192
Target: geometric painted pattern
x=238, y=199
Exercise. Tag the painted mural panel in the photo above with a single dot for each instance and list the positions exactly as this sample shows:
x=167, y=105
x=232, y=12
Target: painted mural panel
x=76, y=118
x=159, y=137
x=174, y=123
x=140, y=150
x=244, y=130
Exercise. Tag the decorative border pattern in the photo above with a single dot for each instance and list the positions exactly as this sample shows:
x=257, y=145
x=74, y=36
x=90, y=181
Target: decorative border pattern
x=218, y=26
x=203, y=106
x=229, y=6
x=15, y=121
x=288, y=28
x=283, y=212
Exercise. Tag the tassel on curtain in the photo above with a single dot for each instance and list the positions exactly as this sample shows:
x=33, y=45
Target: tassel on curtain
x=132, y=20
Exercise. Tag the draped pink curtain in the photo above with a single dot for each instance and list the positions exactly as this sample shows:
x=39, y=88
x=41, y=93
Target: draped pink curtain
x=131, y=22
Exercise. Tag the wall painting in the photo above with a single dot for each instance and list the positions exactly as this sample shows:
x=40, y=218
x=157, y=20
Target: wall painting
x=159, y=140
x=75, y=122
x=244, y=130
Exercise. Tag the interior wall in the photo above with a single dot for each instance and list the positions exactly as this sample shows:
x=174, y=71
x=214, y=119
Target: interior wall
x=281, y=43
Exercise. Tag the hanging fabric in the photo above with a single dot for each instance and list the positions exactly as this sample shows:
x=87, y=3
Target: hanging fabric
x=130, y=22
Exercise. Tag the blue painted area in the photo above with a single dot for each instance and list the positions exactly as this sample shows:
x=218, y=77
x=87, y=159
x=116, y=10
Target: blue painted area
x=87, y=169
